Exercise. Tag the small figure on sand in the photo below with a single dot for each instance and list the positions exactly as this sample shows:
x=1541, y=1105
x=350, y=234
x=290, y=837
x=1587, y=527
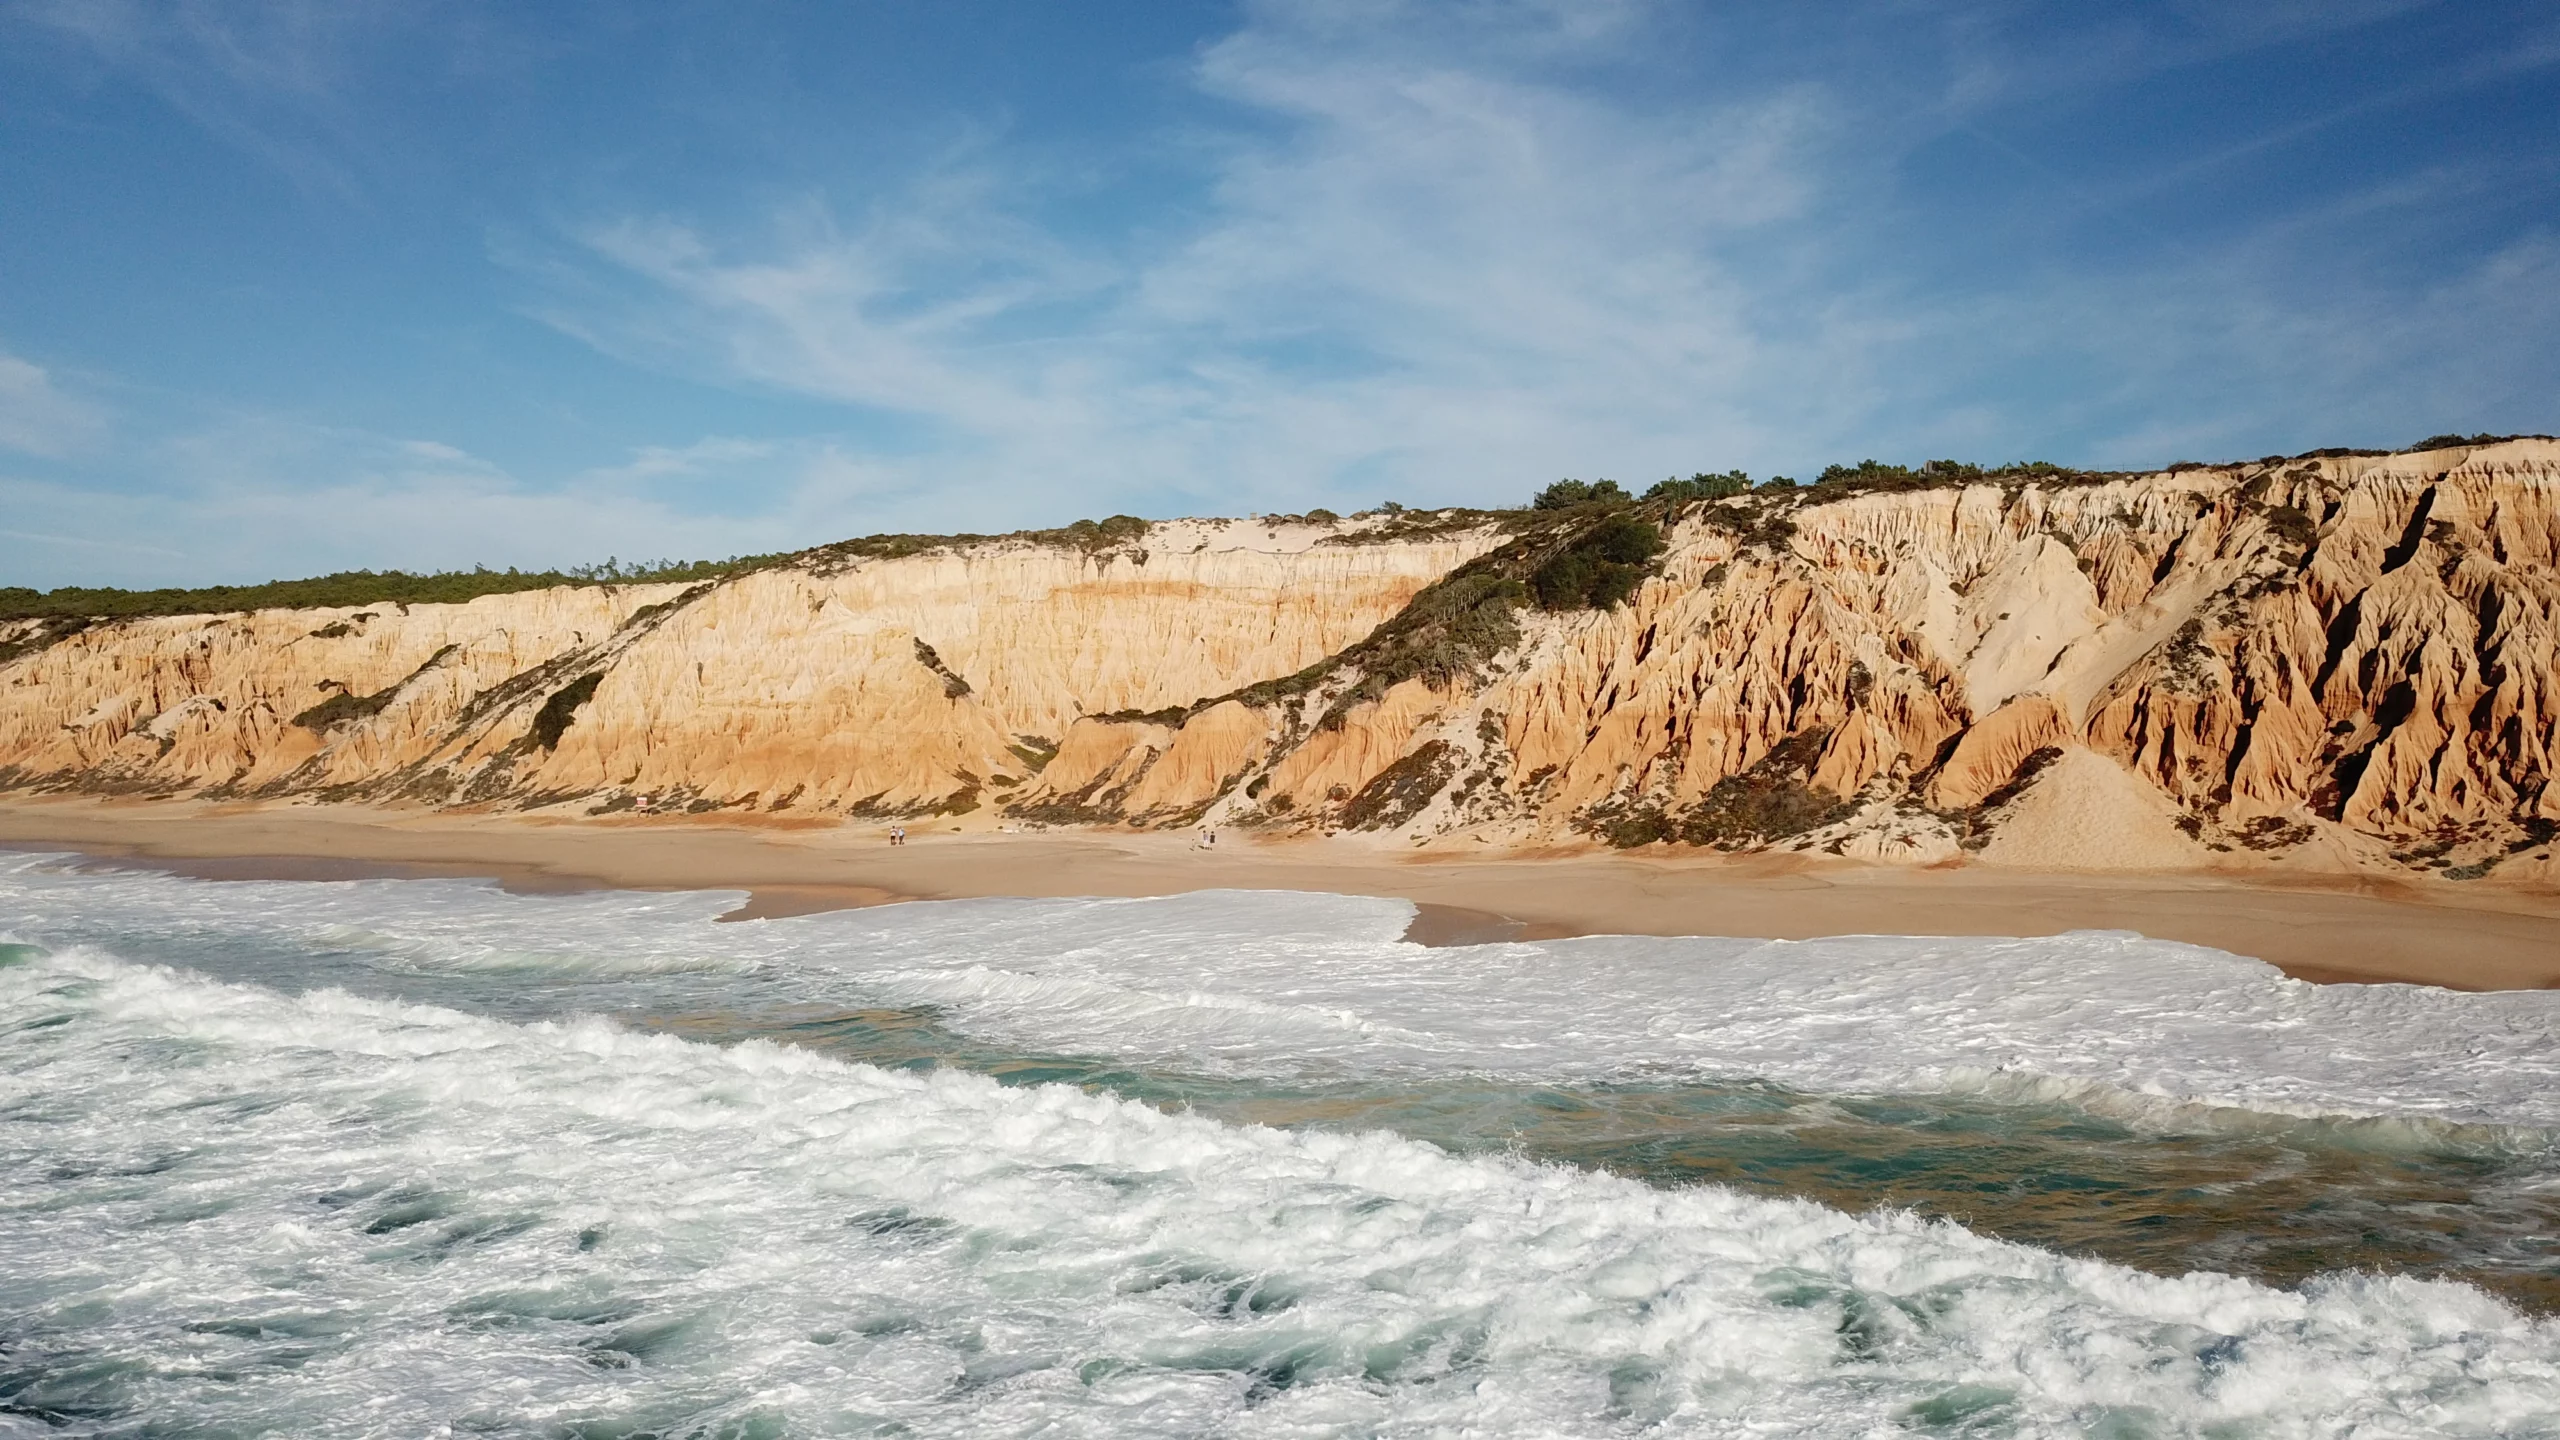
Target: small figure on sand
x=1208, y=838
x=897, y=834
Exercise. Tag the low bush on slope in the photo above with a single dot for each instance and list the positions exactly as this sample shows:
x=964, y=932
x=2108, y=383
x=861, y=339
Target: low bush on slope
x=352, y=587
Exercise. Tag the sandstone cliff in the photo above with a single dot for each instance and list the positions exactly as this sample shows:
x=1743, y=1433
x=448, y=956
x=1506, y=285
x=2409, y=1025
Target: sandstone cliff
x=2334, y=661
x=845, y=681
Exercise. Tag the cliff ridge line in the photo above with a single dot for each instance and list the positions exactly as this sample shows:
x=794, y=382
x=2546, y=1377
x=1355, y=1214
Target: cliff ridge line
x=2333, y=662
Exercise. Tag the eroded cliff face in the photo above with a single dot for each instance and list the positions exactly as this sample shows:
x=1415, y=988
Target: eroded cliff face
x=2335, y=661
x=2338, y=662
x=843, y=682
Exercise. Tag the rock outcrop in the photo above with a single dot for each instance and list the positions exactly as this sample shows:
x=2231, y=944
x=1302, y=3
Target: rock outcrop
x=2336, y=661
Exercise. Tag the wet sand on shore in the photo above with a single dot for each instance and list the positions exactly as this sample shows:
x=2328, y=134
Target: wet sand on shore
x=2476, y=936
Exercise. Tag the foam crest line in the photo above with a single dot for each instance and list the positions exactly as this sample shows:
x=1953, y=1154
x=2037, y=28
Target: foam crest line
x=1313, y=986
x=328, y=1215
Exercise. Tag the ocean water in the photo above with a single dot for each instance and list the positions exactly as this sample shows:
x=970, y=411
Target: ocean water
x=420, y=1157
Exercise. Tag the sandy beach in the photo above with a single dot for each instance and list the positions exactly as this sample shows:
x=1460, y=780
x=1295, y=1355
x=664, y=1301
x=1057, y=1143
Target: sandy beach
x=2317, y=928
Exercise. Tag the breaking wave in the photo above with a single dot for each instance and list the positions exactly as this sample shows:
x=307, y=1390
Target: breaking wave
x=1283, y=985
x=404, y=1157
x=248, y=1212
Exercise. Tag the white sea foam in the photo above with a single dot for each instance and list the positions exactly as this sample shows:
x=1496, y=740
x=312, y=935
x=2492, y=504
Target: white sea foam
x=235, y=1210
x=1292, y=985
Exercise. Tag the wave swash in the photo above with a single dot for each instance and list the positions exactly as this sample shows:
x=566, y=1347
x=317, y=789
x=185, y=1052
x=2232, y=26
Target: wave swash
x=261, y=1186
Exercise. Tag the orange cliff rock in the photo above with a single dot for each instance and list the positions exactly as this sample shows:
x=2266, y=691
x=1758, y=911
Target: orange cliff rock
x=837, y=682
x=2337, y=661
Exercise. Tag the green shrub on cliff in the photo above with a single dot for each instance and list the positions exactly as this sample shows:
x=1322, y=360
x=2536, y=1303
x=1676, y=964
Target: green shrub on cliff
x=1700, y=487
x=1567, y=494
x=353, y=587
x=1601, y=568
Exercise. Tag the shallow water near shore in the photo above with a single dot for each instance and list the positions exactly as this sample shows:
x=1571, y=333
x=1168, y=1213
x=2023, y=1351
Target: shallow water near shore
x=388, y=1156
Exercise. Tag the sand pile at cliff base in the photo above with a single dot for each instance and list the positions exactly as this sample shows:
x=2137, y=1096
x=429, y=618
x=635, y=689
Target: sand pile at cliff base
x=2085, y=812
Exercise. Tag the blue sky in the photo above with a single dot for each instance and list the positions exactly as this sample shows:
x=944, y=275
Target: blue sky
x=294, y=286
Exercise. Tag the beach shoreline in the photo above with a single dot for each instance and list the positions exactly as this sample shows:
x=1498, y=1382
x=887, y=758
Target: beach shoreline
x=2323, y=928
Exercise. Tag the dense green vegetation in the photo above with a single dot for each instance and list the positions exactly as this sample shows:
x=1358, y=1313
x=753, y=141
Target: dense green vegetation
x=453, y=587
x=1583, y=572
x=557, y=713
x=353, y=587
x=1600, y=568
x=1566, y=494
x=1930, y=474
x=1089, y=535
x=1701, y=487
x=2448, y=442
x=1454, y=626
x=1574, y=494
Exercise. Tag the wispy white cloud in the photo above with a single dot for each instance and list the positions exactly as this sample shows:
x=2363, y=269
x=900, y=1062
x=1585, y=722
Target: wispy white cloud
x=84, y=542
x=37, y=417
x=1433, y=250
x=709, y=455
x=280, y=81
x=2004, y=54
x=259, y=496
x=1438, y=259
x=1426, y=276
x=2468, y=351
x=292, y=47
